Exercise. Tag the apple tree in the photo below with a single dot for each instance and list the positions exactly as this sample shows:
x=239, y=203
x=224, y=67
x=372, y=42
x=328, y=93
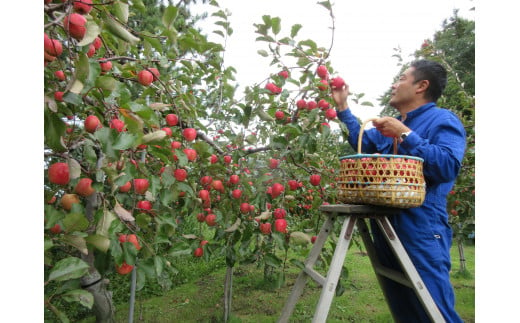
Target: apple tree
x=151, y=154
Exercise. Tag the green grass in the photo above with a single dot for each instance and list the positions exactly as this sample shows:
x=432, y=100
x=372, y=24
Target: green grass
x=201, y=300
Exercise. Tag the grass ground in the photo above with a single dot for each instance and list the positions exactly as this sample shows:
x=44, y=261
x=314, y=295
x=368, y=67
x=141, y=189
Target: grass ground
x=254, y=301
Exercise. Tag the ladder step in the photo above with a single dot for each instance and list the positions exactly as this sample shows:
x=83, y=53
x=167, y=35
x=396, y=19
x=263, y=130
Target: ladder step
x=315, y=275
x=393, y=275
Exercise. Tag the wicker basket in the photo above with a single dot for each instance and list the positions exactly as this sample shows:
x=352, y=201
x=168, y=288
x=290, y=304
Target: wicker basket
x=381, y=179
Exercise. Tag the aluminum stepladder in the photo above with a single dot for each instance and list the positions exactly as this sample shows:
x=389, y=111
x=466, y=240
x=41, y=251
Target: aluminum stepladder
x=356, y=215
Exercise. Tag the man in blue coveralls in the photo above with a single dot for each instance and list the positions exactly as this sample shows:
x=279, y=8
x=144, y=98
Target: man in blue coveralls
x=438, y=137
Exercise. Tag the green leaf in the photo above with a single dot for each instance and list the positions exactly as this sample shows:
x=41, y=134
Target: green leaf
x=263, y=53
x=272, y=260
x=125, y=140
x=102, y=243
x=295, y=29
x=81, y=296
x=170, y=13
x=276, y=25
x=103, y=224
x=75, y=222
x=106, y=83
x=77, y=241
x=158, y=264
x=92, y=32
x=73, y=98
x=154, y=42
x=54, y=128
x=118, y=30
x=68, y=268
x=120, y=11
x=82, y=66
x=141, y=278
x=47, y=244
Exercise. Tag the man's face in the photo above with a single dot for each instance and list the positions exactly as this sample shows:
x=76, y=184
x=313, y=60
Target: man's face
x=404, y=90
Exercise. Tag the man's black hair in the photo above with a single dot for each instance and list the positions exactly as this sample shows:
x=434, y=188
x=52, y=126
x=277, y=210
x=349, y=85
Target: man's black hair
x=435, y=73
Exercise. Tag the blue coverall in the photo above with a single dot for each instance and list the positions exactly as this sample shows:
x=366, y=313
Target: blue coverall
x=438, y=138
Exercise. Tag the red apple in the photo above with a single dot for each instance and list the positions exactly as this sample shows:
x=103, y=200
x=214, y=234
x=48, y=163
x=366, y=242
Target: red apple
x=204, y=195
x=273, y=163
x=58, y=96
x=279, y=115
x=213, y=159
x=59, y=173
x=189, y=134
x=144, y=205
x=201, y=217
x=117, y=124
x=301, y=104
x=145, y=77
x=60, y=75
x=176, y=145
x=190, y=153
x=124, y=269
x=206, y=180
x=273, y=88
x=293, y=185
x=91, y=50
x=265, y=228
x=53, y=47
x=280, y=225
x=55, y=229
x=244, y=208
x=133, y=239
x=279, y=213
x=105, y=66
x=276, y=190
x=97, y=43
x=67, y=200
x=323, y=85
x=315, y=179
x=92, y=123
x=84, y=187
x=337, y=83
x=198, y=252
x=313, y=239
x=83, y=6
x=74, y=24
x=172, y=119
x=227, y=159
x=312, y=105
x=211, y=219
x=141, y=185
x=155, y=73
x=126, y=187
x=180, y=174
x=284, y=74
x=217, y=185
x=237, y=193
x=330, y=114
x=168, y=131
x=234, y=179
x=323, y=104
x=322, y=71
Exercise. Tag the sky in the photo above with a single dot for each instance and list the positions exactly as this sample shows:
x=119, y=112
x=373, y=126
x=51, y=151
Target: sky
x=366, y=34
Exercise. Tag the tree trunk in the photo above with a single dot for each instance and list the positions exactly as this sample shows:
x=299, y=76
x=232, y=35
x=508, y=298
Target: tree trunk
x=462, y=258
x=93, y=282
x=228, y=293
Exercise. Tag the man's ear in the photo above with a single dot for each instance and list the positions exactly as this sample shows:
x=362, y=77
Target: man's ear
x=422, y=86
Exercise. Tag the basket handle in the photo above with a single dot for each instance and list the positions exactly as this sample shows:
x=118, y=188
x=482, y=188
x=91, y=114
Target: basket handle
x=360, y=137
